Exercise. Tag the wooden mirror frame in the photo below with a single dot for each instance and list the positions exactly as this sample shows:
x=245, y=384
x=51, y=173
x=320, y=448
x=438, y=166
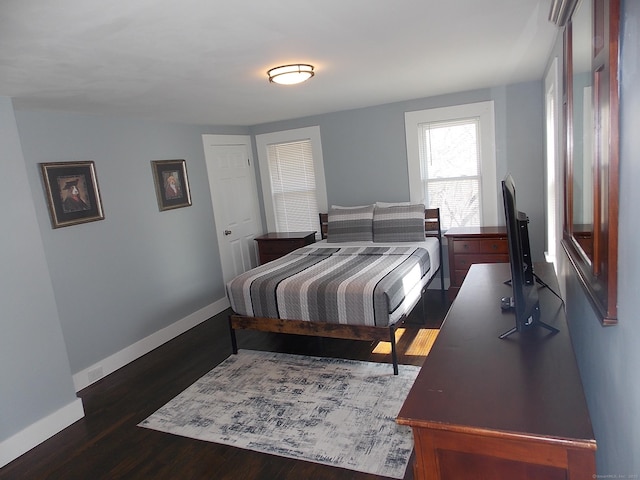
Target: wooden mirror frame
x=597, y=270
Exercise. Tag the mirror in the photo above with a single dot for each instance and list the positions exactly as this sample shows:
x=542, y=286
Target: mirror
x=583, y=134
x=590, y=236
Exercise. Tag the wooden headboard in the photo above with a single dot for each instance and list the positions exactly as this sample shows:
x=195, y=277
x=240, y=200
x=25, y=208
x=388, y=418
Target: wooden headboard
x=432, y=227
x=324, y=224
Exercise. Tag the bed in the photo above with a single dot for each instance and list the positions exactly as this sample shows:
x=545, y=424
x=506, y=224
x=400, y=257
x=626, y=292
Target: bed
x=359, y=282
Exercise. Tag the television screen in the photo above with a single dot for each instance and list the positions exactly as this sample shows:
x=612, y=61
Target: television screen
x=524, y=299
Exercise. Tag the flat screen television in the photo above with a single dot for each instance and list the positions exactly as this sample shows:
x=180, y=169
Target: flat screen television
x=524, y=300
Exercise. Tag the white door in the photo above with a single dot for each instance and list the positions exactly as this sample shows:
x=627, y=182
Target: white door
x=235, y=200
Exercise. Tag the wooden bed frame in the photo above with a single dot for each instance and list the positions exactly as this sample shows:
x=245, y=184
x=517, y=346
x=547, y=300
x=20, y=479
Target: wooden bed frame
x=333, y=330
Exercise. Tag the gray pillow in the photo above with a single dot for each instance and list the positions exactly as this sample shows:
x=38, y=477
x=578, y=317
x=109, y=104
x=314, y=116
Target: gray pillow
x=400, y=223
x=346, y=224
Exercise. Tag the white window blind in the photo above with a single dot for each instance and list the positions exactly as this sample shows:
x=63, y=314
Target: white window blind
x=450, y=167
x=293, y=186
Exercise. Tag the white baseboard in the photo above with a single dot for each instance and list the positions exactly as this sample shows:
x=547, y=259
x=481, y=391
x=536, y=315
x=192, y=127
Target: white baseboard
x=119, y=359
x=38, y=432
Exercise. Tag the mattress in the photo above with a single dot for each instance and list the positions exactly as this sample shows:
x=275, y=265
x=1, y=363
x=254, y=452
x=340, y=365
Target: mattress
x=353, y=283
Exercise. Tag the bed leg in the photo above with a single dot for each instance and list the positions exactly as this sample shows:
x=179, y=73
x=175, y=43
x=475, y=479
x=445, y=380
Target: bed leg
x=234, y=342
x=394, y=353
x=423, y=302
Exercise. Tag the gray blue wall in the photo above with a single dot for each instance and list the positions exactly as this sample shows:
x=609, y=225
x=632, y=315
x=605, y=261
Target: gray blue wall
x=139, y=270
x=365, y=153
x=35, y=378
x=609, y=357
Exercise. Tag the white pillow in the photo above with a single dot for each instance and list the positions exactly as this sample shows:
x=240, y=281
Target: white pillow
x=393, y=204
x=340, y=207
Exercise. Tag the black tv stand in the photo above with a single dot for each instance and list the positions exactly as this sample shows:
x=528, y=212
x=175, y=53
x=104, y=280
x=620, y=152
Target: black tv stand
x=534, y=323
x=507, y=303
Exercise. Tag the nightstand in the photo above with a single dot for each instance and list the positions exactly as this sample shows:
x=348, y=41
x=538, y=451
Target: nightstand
x=277, y=244
x=469, y=245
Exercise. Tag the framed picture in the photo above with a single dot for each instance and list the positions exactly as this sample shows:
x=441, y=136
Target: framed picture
x=172, y=184
x=72, y=193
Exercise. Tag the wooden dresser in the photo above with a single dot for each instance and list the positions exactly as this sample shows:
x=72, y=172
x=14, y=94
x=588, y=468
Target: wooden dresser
x=277, y=244
x=482, y=407
x=469, y=245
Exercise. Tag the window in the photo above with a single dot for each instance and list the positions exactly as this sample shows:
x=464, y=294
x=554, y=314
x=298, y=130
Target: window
x=451, y=154
x=553, y=172
x=293, y=185
x=292, y=176
x=450, y=170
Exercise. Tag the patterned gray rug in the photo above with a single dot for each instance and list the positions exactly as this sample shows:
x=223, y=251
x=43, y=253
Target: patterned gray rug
x=324, y=410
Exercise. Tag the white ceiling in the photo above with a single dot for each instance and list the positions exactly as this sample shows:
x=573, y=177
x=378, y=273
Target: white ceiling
x=205, y=61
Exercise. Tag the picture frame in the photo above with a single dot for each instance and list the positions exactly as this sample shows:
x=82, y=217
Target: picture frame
x=72, y=192
x=172, y=184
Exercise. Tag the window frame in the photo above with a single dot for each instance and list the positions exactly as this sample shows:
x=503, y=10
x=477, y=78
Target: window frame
x=486, y=114
x=286, y=136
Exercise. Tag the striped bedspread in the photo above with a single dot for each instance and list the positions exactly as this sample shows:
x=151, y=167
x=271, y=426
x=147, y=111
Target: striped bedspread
x=347, y=285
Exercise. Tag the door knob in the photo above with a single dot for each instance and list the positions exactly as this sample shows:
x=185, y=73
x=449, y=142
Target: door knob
x=227, y=232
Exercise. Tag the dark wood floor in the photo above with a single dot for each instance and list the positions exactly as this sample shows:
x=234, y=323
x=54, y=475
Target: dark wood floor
x=107, y=444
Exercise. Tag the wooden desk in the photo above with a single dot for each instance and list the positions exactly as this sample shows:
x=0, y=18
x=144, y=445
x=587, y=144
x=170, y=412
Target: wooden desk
x=482, y=407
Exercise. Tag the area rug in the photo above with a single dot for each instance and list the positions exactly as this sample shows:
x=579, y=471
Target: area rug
x=325, y=410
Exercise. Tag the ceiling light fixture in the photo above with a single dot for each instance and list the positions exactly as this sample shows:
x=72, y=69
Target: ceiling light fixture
x=290, y=74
